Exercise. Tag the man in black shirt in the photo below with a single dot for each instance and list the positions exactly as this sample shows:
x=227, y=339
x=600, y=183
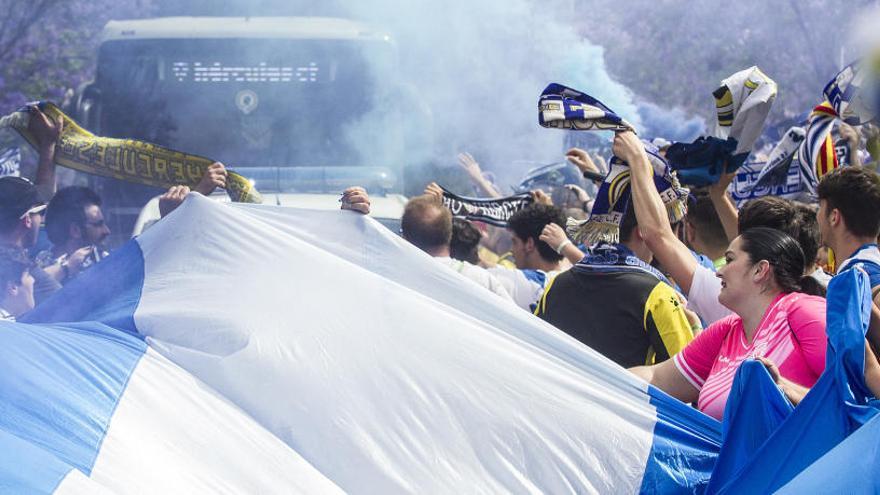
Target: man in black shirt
x=616, y=303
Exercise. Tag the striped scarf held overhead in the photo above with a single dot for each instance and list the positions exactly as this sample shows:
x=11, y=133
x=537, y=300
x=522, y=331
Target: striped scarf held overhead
x=853, y=96
x=816, y=154
x=854, y=93
x=742, y=103
x=561, y=107
x=125, y=159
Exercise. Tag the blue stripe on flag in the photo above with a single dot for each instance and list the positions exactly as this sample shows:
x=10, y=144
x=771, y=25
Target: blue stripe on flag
x=62, y=382
x=25, y=468
x=685, y=447
x=109, y=292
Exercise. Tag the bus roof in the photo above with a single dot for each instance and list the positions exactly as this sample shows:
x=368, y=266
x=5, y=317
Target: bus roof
x=240, y=27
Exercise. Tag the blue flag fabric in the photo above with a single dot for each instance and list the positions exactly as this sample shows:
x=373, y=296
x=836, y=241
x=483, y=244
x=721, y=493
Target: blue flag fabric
x=855, y=92
x=284, y=350
x=702, y=162
x=835, y=407
x=755, y=409
x=849, y=468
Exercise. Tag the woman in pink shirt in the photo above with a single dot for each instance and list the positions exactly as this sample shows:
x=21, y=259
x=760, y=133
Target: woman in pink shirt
x=774, y=321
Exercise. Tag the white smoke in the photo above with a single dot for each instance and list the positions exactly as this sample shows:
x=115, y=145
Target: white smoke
x=864, y=38
x=478, y=68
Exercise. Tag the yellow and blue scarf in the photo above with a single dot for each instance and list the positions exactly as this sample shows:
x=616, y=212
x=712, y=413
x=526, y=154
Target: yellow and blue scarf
x=126, y=159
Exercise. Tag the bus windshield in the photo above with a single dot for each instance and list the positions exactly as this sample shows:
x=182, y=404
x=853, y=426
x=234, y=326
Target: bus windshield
x=245, y=102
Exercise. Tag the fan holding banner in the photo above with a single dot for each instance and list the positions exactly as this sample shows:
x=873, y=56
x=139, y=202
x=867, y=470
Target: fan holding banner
x=126, y=159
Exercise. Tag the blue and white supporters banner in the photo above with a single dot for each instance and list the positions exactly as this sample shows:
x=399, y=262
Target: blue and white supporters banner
x=261, y=349
x=745, y=185
x=10, y=162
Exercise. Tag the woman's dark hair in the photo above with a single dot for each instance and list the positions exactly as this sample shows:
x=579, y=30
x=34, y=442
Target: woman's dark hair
x=784, y=255
x=465, y=241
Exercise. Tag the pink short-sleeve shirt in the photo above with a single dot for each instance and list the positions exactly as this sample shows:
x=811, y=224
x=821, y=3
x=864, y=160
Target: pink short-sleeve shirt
x=792, y=335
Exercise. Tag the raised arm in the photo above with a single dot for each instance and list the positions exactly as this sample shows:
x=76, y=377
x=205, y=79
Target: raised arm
x=651, y=214
x=724, y=206
x=555, y=237
x=473, y=170
x=46, y=131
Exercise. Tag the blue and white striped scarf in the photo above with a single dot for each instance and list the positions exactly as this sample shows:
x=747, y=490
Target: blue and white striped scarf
x=816, y=156
x=10, y=162
x=853, y=96
x=565, y=108
x=561, y=107
x=854, y=93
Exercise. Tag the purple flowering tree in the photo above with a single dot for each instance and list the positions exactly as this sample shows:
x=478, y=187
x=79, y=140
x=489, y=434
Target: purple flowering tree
x=48, y=47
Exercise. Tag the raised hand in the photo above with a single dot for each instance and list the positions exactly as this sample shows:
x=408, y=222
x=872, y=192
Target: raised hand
x=470, y=165
x=541, y=198
x=581, y=159
x=214, y=177
x=172, y=198
x=356, y=199
x=43, y=128
x=433, y=189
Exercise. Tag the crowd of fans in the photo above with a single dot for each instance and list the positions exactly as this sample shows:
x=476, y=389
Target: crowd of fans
x=680, y=305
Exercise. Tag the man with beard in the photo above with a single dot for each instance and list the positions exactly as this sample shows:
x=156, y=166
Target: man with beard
x=75, y=225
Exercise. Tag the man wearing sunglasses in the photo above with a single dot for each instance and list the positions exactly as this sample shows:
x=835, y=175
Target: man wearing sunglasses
x=21, y=216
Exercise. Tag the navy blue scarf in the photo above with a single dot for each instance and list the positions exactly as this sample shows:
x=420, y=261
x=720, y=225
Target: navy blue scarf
x=615, y=258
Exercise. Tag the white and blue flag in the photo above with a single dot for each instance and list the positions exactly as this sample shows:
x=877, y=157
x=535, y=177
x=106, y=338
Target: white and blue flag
x=260, y=349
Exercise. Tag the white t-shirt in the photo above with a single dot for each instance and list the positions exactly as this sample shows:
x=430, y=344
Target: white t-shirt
x=478, y=274
x=821, y=277
x=525, y=286
x=703, y=296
